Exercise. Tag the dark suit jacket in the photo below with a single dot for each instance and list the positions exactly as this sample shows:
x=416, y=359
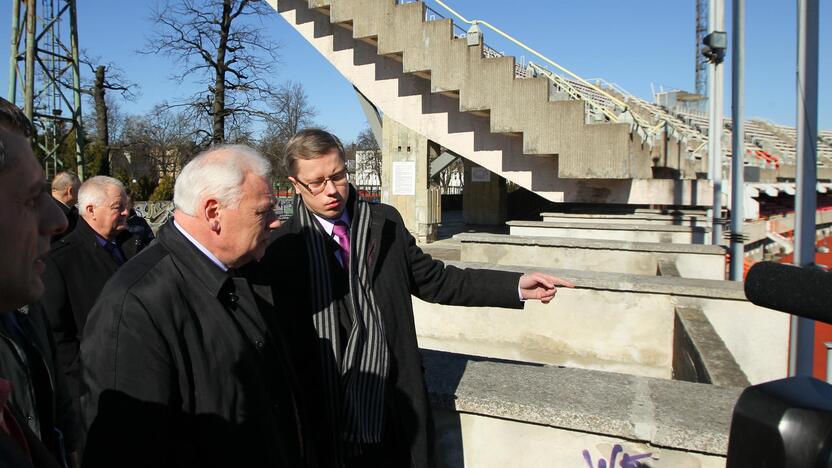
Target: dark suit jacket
x=398, y=269
x=76, y=270
x=41, y=395
x=182, y=369
x=71, y=214
x=13, y=456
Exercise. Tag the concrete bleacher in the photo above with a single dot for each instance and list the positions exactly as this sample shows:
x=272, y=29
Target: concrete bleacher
x=642, y=258
x=611, y=231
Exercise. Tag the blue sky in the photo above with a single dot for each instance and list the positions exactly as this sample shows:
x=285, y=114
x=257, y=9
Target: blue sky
x=633, y=43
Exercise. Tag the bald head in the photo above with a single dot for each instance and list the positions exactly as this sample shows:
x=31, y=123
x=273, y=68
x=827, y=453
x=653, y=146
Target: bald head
x=65, y=187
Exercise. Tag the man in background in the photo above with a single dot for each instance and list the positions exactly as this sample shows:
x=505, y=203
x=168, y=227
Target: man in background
x=28, y=219
x=65, y=187
x=79, y=265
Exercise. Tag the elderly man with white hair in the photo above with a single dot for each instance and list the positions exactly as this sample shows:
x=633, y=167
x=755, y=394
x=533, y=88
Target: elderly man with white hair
x=77, y=268
x=182, y=360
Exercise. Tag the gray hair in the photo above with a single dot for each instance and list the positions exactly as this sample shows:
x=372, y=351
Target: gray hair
x=94, y=191
x=64, y=180
x=218, y=172
x=12, y=120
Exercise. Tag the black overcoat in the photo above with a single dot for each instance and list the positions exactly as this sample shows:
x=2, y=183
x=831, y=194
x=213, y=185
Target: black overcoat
x=76, y=270
x=182, y=370
x=398, y=269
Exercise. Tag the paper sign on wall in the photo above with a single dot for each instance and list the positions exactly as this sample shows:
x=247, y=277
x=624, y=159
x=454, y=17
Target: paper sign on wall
x=480, y=174
x=404, y=178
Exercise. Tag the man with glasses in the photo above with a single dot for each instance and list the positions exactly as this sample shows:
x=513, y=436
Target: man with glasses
x=344, y=272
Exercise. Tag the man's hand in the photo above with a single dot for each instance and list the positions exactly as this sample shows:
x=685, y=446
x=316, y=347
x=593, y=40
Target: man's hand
x=541, y=286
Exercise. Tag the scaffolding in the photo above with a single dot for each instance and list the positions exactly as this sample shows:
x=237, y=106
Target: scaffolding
x=44, y=40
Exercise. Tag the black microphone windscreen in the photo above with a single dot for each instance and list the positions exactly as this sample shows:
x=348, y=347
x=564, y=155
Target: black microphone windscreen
x=802, y=291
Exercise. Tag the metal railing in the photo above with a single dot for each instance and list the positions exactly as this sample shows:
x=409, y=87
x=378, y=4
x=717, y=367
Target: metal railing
x=599, y=100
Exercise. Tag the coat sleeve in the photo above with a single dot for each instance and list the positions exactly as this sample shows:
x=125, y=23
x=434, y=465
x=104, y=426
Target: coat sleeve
x=67, y=411
x=58, y=312
x=127, y=372
x=433, y=281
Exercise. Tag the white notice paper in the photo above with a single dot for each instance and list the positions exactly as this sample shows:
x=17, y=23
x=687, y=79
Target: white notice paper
x=404, y=178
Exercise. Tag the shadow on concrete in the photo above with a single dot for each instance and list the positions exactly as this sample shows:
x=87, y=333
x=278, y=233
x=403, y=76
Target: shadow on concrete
x=443, y=373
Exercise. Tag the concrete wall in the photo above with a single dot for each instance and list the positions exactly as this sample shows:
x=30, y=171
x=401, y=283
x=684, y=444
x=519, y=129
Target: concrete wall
x=472, y=440
x=631, y=233
x=692, y=261
x=495, y=413
x=680, y=220
x=611, y=322
x=757, y=337
x=484, y=198
x=405, y=153
x=636, y=336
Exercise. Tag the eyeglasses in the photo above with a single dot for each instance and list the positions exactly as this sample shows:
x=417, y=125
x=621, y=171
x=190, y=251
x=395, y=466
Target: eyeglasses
x=317, y=186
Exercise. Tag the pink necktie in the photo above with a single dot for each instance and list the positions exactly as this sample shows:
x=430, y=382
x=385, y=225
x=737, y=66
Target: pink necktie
x=342, y=231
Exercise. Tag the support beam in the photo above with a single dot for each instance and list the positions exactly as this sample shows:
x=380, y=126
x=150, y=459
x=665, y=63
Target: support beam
x=405, y=183
x=716, y=22
x=372, y=114
x=737, y=147
x=441, y=162
x=803, y=330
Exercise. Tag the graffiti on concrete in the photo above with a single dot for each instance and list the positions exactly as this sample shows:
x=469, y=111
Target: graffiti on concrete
x=627, y=460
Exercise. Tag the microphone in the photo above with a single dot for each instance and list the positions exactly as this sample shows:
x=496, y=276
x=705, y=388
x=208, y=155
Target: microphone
x=802, y=291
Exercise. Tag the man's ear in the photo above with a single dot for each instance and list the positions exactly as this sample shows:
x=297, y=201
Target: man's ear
x=211, y=211
x=90, y=210
x=295, y=184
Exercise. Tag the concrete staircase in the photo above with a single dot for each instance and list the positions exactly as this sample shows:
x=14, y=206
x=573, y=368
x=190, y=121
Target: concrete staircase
x=422, y=76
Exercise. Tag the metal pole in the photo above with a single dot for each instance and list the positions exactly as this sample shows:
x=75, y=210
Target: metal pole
x=76, y=91
x=715, y=125
x=13, y=53
x=802, y=333
x=31, y=47
x=737, y=147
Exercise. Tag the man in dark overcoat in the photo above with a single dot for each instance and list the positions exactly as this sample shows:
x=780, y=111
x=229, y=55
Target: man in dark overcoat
x=345, y=271
x=29, y=217
x=77, y=268
x=182, y=365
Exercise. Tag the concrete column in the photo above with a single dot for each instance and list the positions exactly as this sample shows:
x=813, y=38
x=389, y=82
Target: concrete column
x=484, y=196
x=404, y=178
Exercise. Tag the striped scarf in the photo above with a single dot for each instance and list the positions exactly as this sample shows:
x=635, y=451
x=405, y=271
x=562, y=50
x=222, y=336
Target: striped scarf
x=357, y=380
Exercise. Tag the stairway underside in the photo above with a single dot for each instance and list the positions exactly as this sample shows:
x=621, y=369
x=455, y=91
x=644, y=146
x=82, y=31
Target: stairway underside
x=409, y=99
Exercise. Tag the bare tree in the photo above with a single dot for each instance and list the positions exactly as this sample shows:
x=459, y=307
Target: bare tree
x=292, y=113
x=106, y=77
x=217, y=43
x=162, y=141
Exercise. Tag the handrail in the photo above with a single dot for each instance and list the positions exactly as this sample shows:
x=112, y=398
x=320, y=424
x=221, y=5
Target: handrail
x=572, y=91
x=536, y=53
x=649, y=128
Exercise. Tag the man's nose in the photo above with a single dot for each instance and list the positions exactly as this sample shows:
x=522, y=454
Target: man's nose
x=329, y=187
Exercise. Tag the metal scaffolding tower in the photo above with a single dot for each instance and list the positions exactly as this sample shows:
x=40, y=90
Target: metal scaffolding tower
x=45, y=40
x=701, y=62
